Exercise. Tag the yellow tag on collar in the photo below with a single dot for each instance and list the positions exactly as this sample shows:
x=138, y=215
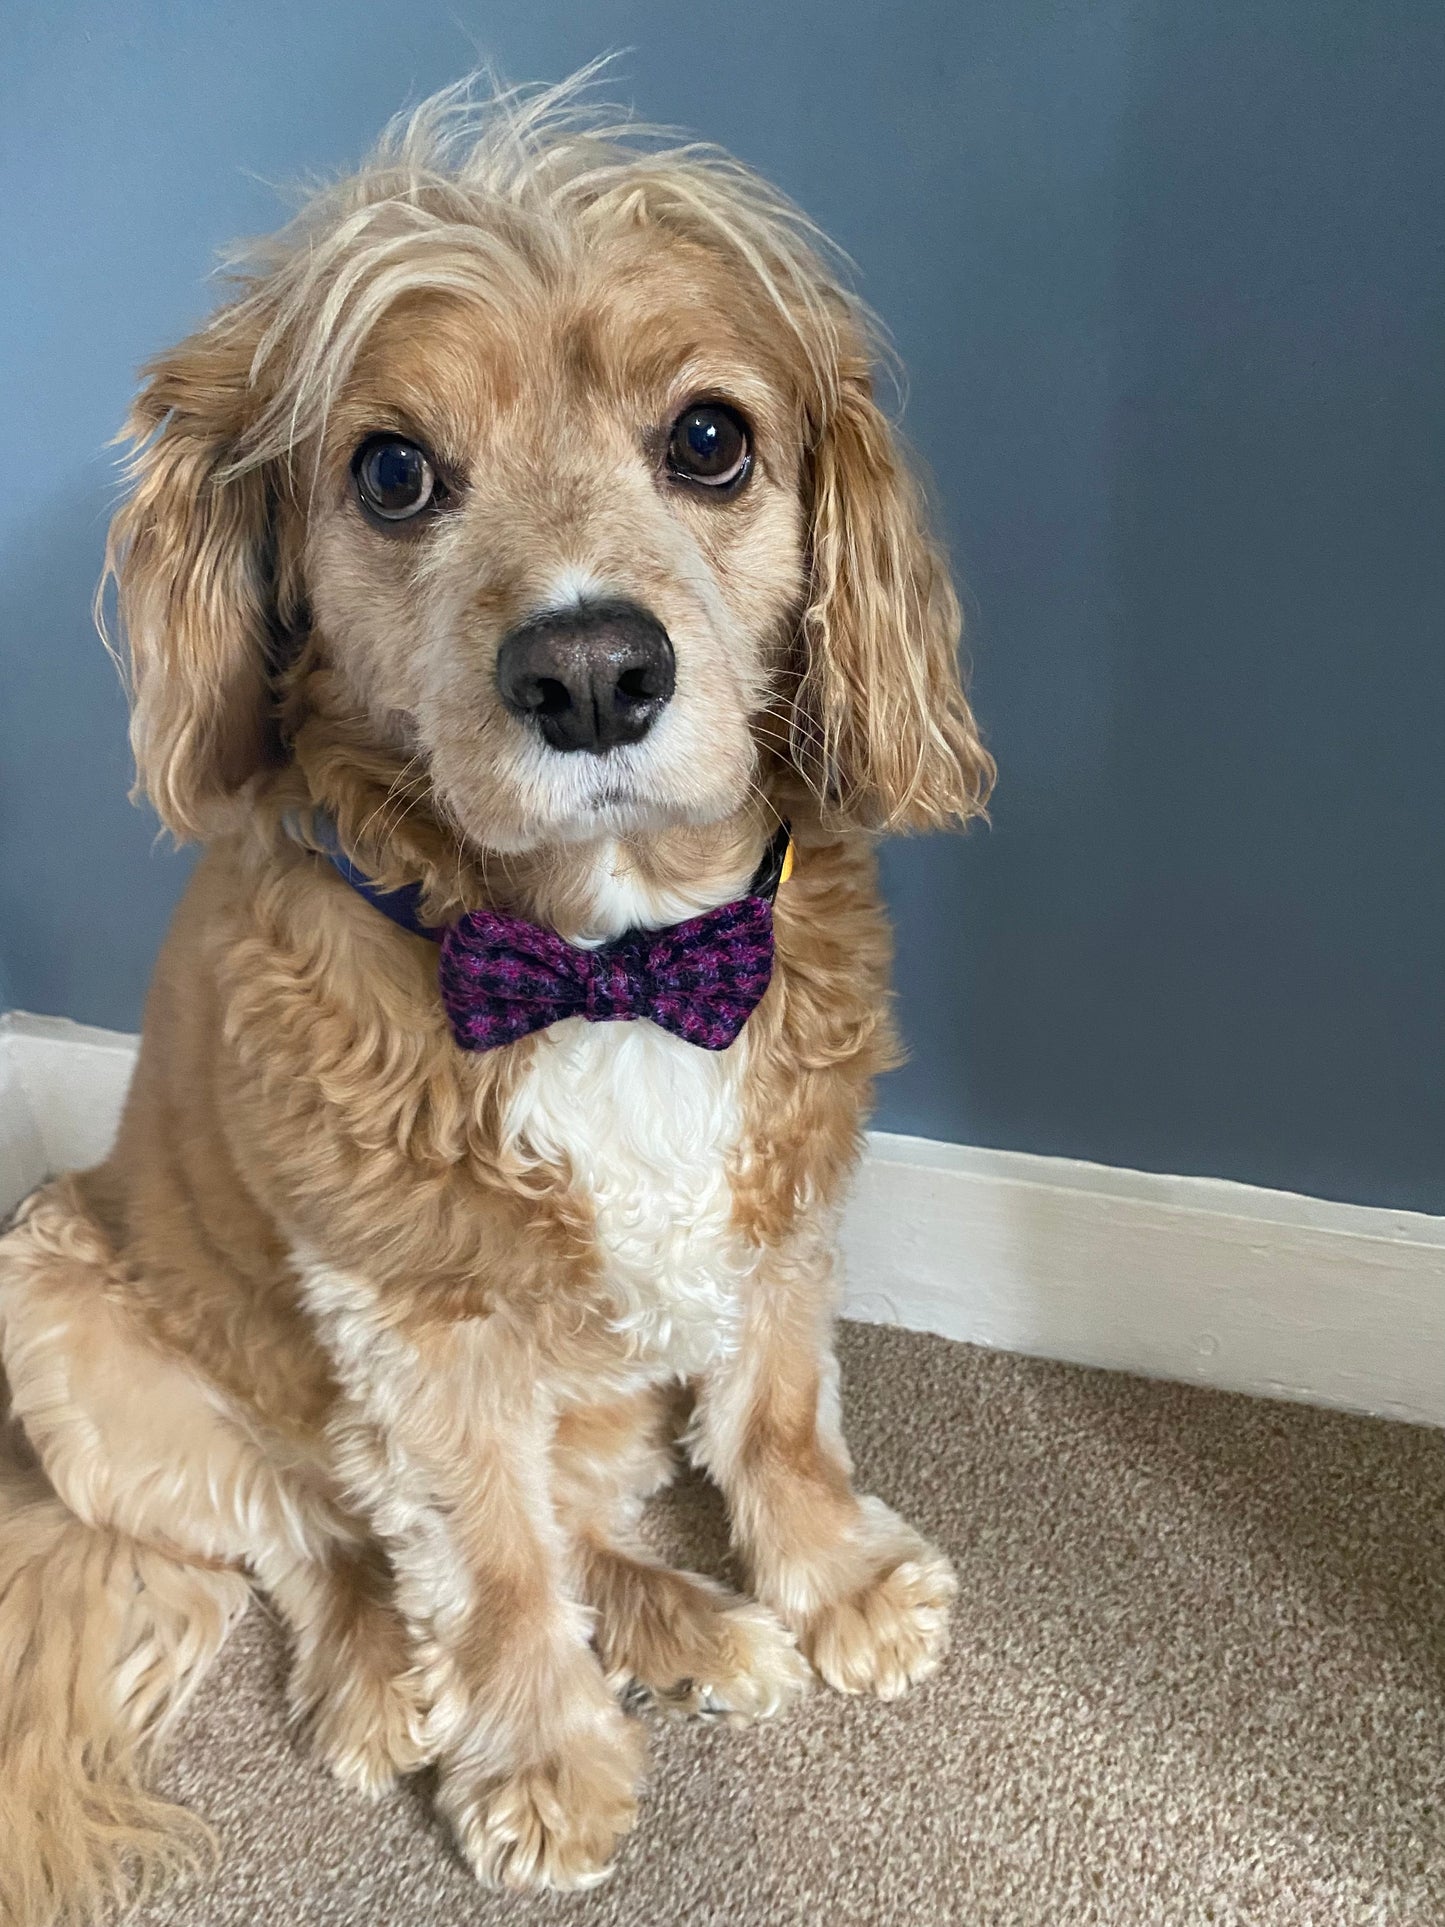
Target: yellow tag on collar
x=787, y=869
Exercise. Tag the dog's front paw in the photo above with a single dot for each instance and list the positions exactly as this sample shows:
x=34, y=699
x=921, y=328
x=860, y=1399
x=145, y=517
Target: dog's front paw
x=556, y=1822
x=889, y=1631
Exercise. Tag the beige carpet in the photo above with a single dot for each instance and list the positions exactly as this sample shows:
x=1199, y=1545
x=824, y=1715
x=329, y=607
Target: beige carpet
x=1199, y=1676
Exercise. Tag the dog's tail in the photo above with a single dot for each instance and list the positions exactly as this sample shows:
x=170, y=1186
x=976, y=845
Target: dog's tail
x=102, y=1640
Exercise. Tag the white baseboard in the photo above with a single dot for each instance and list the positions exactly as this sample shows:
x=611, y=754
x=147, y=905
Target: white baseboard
x=1188, y=1278
x=61, y=1090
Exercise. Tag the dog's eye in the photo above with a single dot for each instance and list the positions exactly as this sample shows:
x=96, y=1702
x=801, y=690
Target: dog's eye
x=709, y=444
x=395, y=479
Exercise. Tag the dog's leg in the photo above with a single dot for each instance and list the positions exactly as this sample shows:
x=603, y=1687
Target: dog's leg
x=135, y=1441
x=866, y=1595
x=120, y=1576
x=355, y=1682
x=691, y=1645
x=443, y=1442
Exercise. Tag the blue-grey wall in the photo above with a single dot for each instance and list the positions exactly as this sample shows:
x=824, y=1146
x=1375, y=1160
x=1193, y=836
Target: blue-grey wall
x=1168, y=278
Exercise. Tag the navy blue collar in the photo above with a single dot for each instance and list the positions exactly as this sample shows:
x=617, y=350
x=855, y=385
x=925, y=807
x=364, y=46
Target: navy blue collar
x=403, y=906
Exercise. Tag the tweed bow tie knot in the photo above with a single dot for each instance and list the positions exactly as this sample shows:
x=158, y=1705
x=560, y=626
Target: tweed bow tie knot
x=503, y=978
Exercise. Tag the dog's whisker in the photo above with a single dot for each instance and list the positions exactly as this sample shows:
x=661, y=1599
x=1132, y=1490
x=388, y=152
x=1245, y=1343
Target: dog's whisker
x=405, y=799
x=398, y=781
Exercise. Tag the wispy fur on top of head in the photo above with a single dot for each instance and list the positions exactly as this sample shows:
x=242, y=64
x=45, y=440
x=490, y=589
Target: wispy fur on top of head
x=478, y=179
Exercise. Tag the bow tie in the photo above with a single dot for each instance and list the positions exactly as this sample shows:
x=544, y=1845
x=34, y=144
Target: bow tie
x=503, y=978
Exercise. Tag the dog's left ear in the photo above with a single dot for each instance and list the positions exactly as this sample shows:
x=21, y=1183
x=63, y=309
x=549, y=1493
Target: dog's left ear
x=882, y=726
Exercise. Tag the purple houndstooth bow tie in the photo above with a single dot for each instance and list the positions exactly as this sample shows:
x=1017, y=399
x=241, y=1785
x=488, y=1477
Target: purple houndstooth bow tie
x=503, y=978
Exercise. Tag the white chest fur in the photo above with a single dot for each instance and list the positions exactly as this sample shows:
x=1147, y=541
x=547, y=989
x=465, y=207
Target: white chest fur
x=646, y=1123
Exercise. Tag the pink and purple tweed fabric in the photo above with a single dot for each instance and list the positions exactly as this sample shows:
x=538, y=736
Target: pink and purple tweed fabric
x=502, y=978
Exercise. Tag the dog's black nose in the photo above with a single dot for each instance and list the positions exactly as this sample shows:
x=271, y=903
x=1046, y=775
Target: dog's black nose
x=590, y=677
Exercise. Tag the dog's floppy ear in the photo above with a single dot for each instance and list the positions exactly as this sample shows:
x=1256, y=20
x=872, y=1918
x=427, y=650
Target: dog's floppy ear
x=191, y=552
x=882, y=725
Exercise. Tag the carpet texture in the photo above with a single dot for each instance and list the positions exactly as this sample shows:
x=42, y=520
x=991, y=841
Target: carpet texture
x=1198, y=1676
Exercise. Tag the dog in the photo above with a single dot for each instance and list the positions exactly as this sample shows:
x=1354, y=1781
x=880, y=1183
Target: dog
x=529, y=608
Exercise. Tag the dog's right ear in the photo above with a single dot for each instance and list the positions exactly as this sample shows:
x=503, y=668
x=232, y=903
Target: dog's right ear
x=192, y=554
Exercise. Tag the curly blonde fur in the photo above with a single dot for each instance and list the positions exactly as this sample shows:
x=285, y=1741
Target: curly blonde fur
x=395, y=1332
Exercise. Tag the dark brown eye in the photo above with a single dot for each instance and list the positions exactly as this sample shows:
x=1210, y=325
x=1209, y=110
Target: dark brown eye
x=709, y=444
x=395, y=479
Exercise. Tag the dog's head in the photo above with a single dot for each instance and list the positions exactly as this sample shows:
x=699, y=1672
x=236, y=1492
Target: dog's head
x=549, y=464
